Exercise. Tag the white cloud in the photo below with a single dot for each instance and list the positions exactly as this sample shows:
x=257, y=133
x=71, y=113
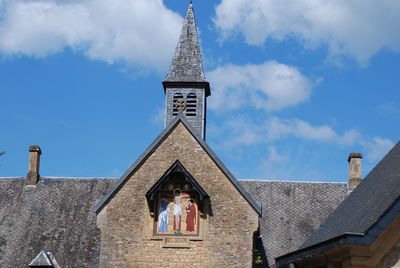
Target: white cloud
x=269, y=86
x=274, y=165
x=107, y=30
x=244, y=131
x=289, y=165
x=159, y=116
x=355, y=28
x=241, y=131
x=275, y=157
x=277, y=128
x=377, y=148
x=388, y=108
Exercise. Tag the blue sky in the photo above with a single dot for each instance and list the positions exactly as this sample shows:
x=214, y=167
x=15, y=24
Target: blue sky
x=296, y=85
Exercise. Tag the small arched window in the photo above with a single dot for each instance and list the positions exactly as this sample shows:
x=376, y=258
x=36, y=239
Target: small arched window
x=177, y=97
x=191, y=104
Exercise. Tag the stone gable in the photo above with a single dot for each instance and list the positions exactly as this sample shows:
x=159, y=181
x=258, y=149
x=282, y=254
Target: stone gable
x=227, y=227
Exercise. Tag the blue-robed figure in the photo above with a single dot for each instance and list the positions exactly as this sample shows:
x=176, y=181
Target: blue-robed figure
x=163, y=214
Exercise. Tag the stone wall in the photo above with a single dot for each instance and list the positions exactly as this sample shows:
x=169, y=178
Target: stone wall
x=127, y=226
x=392, y=258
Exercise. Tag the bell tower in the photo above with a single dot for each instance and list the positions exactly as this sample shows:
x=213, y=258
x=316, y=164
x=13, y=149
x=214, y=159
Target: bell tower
x=186, y=87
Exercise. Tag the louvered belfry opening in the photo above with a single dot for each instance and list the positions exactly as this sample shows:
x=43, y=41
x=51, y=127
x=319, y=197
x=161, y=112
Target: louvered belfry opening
x=191, y=104
x=177, y=97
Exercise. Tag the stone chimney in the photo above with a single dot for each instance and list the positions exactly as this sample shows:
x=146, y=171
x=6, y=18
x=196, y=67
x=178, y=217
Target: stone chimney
x=354, y=170
x=33, y=175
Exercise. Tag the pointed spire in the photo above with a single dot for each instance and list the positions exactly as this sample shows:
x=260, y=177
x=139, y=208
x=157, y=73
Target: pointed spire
x=187, y=65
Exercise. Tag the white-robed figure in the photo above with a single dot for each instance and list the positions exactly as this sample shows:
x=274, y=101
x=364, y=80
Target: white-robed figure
x=177, y=210
x=163, y=213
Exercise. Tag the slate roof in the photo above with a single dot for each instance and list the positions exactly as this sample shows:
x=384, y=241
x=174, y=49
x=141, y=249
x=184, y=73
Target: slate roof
x=187, y=65
x=363, y=214
x=292, y=210
x=180, y=118
x=377, y=192
x=56, y=215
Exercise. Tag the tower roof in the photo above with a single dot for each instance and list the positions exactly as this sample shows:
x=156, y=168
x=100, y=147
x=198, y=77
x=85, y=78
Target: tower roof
x=187, y=65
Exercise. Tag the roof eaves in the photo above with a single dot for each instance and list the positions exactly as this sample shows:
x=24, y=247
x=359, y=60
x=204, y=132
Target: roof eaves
x=196, y=84
x=176, y=166
x=316, y=249
x=347, y=238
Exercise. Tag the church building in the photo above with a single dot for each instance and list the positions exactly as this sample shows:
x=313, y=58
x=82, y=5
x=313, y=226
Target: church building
x=178, y=205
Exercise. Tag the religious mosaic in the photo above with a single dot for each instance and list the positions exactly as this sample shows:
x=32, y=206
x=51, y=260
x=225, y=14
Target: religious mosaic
x=177, y=211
